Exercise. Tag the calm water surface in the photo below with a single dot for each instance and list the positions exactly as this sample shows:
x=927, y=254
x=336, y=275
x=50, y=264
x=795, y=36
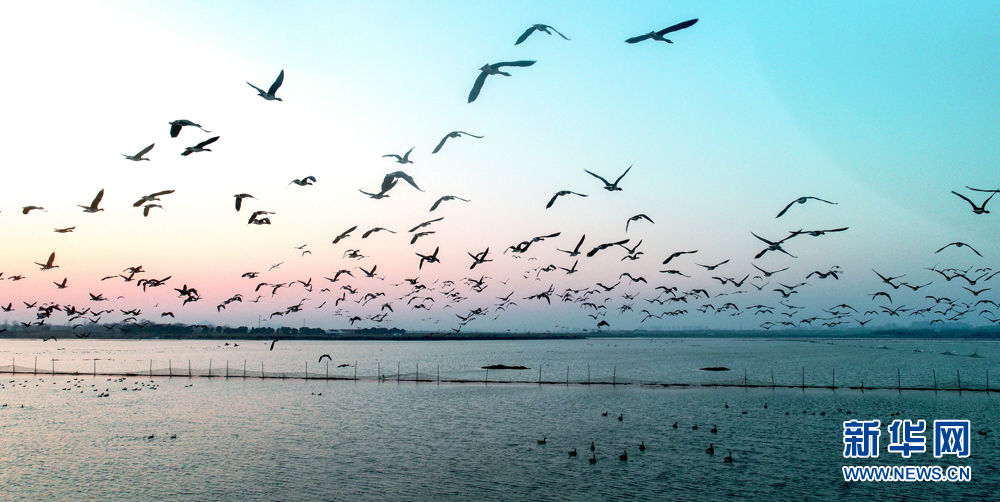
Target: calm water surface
x=299, y=439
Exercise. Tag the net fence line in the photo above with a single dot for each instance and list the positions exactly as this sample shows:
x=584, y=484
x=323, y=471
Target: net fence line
x=934, y=381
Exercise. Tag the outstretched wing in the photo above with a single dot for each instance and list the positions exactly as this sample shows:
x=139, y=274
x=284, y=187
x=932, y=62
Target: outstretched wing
x=560, y=34
x=786, y=208
x=598, y=177
x=473, y=135
x=208, y=141
x=439, y=201
x=277, y=83
x=640, y=38
x=677, y=27
x=623, y=175
x=445, y=138
x=97, y=200
x=261, y=91
x=524, y=36
x=478, y=86
x=513, y=63
x=553, y=200
x=148, y=148
x=407, y=178
x=175, y=129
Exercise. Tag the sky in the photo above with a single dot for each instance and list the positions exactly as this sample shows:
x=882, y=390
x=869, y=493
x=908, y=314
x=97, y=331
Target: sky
x=882, y=108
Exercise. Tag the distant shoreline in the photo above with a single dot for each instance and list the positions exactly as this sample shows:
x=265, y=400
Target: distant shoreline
x=186, y=332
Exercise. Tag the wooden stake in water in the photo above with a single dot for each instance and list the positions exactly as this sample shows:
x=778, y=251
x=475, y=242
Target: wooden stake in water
x=35, y=372
x=539, y=374
x=959, y=382
x=614, y=376
x=227, y=368
x=439, y=373
x=244, y=369
x=170, y=368
x=209, y=368
x=772, y=378
x=588, y=374
x=328, y=369
x=899, y=385
x=987, y=382
x=307, y=368
x=934, y=372
x=189, y=368
x=355, y=370
x=54, y=368
x=415, y=379
x=834, y=382
x=803, y=378
x=262, y=369
x=95, y=368
x=744, y=378
x=567, y=376
x=150, y=368
x=397, y=371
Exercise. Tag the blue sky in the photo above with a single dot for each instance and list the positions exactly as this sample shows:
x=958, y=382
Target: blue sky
x=882, y=108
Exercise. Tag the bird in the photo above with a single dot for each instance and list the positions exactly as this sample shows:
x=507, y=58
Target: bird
x=405, y=159
x=151, y=197
x=642, y=446
x=274, y=342
x=308, y=180
x=572, y=453
x=593, y=459
x=713, y=267
x=976, y=209
x=376, y=229
x=269, y=95
x=658, y=35
x=61, y=285
x=431, y=258
x=711, y=449
x=678, y=253
x=64, y=230
x=254, y=220
x=344, y=234
x=239, y=199
x=715, y=429
x=611, y=187
x=771, y=246
x=728, y=459
x=802, y=200
x=453, y=134
x=542, y=441
x=447, y=198
x=419, y=235
x=538, y=27
x=592, y=447
x=147, y=207
x=139, y=156
x=200, y=147
x=48, y=264
x=175, y=127
x=390, y=180
x=624, y=456
x=493, y=69
x=28, y=209
x=576, y=250
x=621, y=417
x=424, y=224
x=326, y=356
x=592, y=252
x=92, y=208
x=958, y=245
x=560, y=194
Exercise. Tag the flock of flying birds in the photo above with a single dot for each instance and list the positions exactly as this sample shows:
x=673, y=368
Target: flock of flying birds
x=359, y=293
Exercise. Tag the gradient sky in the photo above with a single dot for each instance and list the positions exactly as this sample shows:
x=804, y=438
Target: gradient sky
x=884, y=108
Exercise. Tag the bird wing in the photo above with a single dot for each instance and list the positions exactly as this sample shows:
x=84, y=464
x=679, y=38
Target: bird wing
x=478, y=86
x=52, y=258
x=560, y=34
x=598, y=177
x=524, y=36
x=553, y=200
x=281, y=78
x=438, y=148
x=677, y=27
x=623, y=175
x=162, y=192
x=436, y=204
x=175, y=129
x=473, y=135
x=822, y=200
x=207, y=142
x=251, y=85
x=512, y=63
x=97, y=200
x=786, y=208
x=640, y=38
x=406, y=156
x=145, y=150
x=966, y=199
x=407, y=178
x=239, y=202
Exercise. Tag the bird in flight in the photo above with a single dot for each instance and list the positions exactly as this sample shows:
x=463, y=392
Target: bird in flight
x=92, y=208
x=611, y=187
x=802, y=200
x=771, y=246
x=493, y=69
x=200, y=147
x=61, y=285
x=175, y=127
x=560, y=194
x=636, y=218
x=592, y=252
x=376, y=229
x=544, y=28
x=308, y=180
x=269, y=95
x=28, y=209
x=239, y=199
x=64, y=230
x=676, y=254
x=151, y=197
x=147, y=207
x=137, y=157
x=345, y=234
x=424, y=224
x=453, y=134
x=658, y=35
x=959, y=245
x=431, y=258
x=576, y=250
x=447, y=198
x=713, y=267
x=405, y=159
x=48, y=264
x=976, y=209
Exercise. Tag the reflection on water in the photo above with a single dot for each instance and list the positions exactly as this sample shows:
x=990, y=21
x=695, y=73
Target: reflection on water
x=335, y=440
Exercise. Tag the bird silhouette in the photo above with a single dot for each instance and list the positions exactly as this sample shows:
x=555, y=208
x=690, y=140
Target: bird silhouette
x=493, y=69
x=658, y=35
x=269, y=95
